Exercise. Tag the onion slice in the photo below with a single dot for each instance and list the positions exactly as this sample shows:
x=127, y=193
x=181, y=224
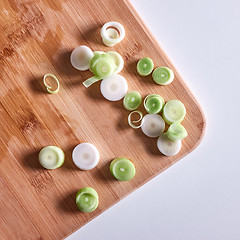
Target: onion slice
x=153, y=125
x=48, y=87
x=80, y=57
x=167, y=146
x=118, y=60
x=114, y=88
x=131, y=122
x=112, y=33
x=85, y=156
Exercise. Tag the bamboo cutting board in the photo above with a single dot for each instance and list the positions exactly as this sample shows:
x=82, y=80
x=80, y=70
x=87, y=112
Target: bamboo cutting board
x=37, y=37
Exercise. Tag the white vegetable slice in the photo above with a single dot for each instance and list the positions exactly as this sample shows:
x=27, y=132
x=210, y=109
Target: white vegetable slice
x=153, y=125
x=112, y=33
x=114, y=88
x=167, y=146
x=117, y=59
x=85, y=156
x=81, y=57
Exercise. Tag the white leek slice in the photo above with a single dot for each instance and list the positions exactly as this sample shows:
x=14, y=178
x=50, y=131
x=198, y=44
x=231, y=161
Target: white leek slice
x=81, y=57
x=114, y=88
x=85, y=156
x=48, y=87
x=153, y=125
x=167, y=146
x=112, y=33
x=118, y=60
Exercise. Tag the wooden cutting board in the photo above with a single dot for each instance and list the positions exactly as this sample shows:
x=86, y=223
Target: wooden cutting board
x=37, y=37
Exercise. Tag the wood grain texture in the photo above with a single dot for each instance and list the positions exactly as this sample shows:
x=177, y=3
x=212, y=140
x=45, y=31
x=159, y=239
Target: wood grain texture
x=37, y=37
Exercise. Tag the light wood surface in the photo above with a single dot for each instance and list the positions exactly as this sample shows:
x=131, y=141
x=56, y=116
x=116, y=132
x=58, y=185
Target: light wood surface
x=37, y=37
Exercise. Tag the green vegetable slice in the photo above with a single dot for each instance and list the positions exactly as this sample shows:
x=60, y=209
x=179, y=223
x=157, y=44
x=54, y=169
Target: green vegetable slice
x=153, y=103
x=98, y=52
x=163, y=75
x=96, y=56
x=145, y=66
x=102, y=65
x=87, y=83
x=176, y=131
x=122, y=169
x=87, y=199
x=132, y=100
x=131, y=122
x=174, y=111
x=51, y=157
x=48, y=87
x=118, y=60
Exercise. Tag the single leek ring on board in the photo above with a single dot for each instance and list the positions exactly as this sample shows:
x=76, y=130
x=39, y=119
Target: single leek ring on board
x=131, y=122
x=153, y=103
x=174, y=111
x=153, y=125
x=132, y=100
x=112, y=33
x=85, y=156
x=163, y=75
x=48, y=87
x=122, y=169
x=81, y=57
x=51, y=157
x=102, y=65
x=87, y=199
x=145, y=66
x=114, y=87
x=168, y=147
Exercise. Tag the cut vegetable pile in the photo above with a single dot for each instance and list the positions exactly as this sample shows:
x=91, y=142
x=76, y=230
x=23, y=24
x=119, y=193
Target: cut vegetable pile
x=106, y=67
x=153, y=125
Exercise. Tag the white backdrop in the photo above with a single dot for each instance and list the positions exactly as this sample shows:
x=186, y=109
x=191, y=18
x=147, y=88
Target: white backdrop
x=199, y=197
